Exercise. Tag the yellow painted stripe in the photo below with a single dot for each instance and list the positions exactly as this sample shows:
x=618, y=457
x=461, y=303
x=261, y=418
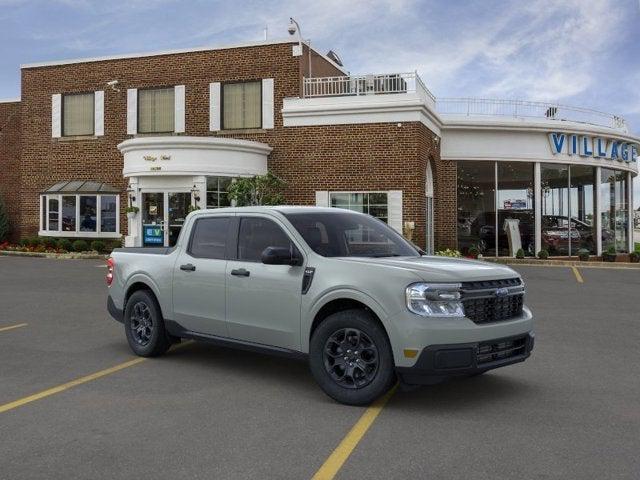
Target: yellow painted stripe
x=332, y=465
x=576, y=272
x=78, y=381
x=19, y=325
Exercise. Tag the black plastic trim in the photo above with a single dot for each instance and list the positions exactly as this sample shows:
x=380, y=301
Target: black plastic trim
x=114, y=311
x=428, y=368
x=177, y=330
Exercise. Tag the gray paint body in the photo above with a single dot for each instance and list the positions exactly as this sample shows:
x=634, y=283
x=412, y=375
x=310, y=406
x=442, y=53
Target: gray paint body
x=269, y=308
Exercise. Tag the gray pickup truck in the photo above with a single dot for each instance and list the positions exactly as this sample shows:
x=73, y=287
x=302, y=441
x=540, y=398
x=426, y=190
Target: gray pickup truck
x=340, y=288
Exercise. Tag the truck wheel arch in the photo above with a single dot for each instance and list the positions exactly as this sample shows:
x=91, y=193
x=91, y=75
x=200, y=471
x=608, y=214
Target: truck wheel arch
x=141, y=285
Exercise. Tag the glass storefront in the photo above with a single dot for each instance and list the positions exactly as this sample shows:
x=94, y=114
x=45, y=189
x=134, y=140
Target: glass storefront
x=496, y=207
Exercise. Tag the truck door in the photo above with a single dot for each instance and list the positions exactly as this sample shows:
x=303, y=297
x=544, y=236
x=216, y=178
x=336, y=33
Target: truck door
x=263, y=301
x=199, y=278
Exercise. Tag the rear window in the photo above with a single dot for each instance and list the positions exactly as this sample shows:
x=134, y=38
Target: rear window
x=209, y=239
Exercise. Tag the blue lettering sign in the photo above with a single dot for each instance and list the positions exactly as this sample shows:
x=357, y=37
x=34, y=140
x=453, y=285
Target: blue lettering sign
x=557, y=141
x=601, y=150
x=634, y=153
x=624, y=152
x=573, y=147
x=614, y=150
x=153, y=235
x=586, y=147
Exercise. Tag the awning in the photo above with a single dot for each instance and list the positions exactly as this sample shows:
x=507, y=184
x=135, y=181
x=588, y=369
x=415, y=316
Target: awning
x=82, y=186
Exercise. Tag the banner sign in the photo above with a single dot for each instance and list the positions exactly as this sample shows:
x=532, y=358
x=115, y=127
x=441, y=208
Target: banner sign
x=597, y=147
x=152, y=235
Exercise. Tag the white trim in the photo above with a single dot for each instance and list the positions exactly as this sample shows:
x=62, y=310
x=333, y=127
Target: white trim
x=56, y=115
x=179, y=108
x=132, y=111
x=598, y=211
x=394, y=210
x=173, y=52
x=44, y=197
x=537, y=203
x=98, y=113
x=10, y=100
x=267, y=103
x=322, y=198
x=630, y=241
x=214, y=107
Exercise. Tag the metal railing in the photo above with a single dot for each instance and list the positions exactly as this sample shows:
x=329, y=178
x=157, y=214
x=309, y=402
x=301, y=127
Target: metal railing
x=355, y=85
x=527, y=109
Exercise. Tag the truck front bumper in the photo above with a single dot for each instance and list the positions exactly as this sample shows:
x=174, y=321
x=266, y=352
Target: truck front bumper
x=439, y=362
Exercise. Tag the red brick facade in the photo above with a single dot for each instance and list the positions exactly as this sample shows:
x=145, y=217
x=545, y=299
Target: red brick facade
x=10, y=161
x=381, y=156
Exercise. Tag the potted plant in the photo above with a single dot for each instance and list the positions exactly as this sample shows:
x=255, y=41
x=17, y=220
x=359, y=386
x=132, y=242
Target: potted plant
x=520, y=254
x=473, y=252
x=543, y=254
x=634, y=257
x=583, y=254
x=610, y=255
x=192, y=208
x=132, y=212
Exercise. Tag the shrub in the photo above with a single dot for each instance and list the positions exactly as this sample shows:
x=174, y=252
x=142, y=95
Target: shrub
x=611, y=250
x=449, y=253
x=520, y=253
x=543, y=254
x=48, y=242
x=98, y=245
x=80, y=246
x=65, y=244
x=474, y=252
x=634, y=257
x=132, y=209
x=583, y=254
x=34, y=242
x=24, y=242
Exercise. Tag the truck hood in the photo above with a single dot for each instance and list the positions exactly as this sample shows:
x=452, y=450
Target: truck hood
x=441, y=269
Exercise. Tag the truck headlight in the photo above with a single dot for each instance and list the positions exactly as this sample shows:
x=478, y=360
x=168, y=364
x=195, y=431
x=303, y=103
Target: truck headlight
x=434, y=299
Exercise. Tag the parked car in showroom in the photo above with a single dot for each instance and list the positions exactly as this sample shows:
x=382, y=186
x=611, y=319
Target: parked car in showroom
x=339, y=288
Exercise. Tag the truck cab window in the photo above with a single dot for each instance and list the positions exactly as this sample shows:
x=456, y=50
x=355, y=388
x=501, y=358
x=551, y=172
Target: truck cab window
x=256, y=234
x=209, y=239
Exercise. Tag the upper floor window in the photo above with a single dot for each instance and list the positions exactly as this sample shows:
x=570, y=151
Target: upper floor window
x=78, y=114
x=242, y=105
x=371, y=203
x=156, y=110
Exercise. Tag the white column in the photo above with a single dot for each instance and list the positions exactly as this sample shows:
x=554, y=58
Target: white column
x=598, y=213
x=537, y=201
x=134, y=225
x=630, y=212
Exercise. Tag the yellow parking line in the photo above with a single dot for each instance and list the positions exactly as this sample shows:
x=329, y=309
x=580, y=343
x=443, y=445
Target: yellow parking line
x=19, y=325
x=332, y=465
x=576, y=272
x=79, y=381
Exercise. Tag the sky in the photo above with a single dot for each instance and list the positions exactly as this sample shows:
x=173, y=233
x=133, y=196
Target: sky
x=577, y=52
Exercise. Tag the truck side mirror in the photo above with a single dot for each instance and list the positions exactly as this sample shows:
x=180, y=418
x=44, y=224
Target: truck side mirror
x=281, y=256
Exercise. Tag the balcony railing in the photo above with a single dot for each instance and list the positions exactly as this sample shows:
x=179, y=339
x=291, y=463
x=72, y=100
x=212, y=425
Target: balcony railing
x=366, y=85
x=527, y=109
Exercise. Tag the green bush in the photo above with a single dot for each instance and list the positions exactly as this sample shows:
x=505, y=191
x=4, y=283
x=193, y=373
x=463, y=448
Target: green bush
x=634, y=257
x=583, y=254
x=48, y=242
x=449, y=253
x=98, y=245
x=611, y=250
x=34, y=241
x=65, y=244
x=80, y=246
x=24, y=242
x=520, y=253
x=543, y=254
x=474, y=252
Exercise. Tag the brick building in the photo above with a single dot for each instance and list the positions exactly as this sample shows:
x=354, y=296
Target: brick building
x=168, y=131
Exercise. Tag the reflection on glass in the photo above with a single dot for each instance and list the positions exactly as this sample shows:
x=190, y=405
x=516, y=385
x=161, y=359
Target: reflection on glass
x=217, y=196
x=581, y=200
x=69, y=213
x=515, y=208
x=53, y=214
x=476, y=207
x=555, y=208
x=178, y=209
x=371, y=203
x=88, y=212
x=614, y=210
x=108, y=213
x=153, y=208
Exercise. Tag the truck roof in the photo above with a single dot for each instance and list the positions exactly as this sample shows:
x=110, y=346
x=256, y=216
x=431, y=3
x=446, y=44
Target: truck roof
x=285, y=209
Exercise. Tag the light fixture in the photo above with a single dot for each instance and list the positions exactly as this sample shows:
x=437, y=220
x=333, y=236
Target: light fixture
x=293, y=28
x=131, y=192
x=195, y=191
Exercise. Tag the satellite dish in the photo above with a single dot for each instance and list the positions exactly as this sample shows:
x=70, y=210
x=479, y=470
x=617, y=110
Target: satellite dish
x=334, y=56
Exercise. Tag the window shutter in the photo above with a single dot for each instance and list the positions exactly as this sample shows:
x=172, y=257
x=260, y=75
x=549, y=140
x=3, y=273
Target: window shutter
x=132, y=111
x=56, y=115
x=267, y=103
x=322, y=198
x=214, y=106
x=394, y=205
x=179, y=111
x=98, y=111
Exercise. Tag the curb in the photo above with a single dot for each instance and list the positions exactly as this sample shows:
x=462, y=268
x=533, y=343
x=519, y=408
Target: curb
x=563, y=263
x=57, y=256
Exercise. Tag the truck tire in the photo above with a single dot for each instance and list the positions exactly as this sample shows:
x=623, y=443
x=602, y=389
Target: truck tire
x=351, y=359
x=144, y=325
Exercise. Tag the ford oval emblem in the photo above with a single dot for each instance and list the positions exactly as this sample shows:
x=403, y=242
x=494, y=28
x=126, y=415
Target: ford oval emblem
x=502, y=292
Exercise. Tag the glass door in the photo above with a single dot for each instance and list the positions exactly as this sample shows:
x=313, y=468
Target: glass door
x=153, y=221
x=178, y=210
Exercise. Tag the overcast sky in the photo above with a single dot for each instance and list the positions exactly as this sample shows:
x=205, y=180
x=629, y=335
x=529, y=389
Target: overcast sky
x=579, y=52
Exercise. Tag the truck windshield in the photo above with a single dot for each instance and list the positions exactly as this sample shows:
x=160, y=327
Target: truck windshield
x=344, y=234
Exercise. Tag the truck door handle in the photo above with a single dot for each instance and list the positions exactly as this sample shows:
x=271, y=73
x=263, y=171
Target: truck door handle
x=188, y=267
x=240, y=272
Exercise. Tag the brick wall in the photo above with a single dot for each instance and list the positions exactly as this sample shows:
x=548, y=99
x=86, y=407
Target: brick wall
x=10, y=161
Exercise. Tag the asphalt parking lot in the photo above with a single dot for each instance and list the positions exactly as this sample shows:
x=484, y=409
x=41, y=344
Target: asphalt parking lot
x=572, y=411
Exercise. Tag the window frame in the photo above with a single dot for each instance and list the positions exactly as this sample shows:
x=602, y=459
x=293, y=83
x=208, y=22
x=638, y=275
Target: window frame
x=146, y=89
x=234, y=82
x=93, y=123
x=236, y=234
x=77, y=233
x=367, y=192
x=217, y=191
x=228, y=242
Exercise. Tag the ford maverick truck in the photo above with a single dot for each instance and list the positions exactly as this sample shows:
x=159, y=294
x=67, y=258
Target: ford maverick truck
x=339, y=288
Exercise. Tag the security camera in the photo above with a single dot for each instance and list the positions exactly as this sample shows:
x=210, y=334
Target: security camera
x=291, y=29
x=113, y=84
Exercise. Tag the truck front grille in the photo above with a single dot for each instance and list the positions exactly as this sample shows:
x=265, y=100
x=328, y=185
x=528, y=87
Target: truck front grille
x=501, y=350
x=492, y=300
